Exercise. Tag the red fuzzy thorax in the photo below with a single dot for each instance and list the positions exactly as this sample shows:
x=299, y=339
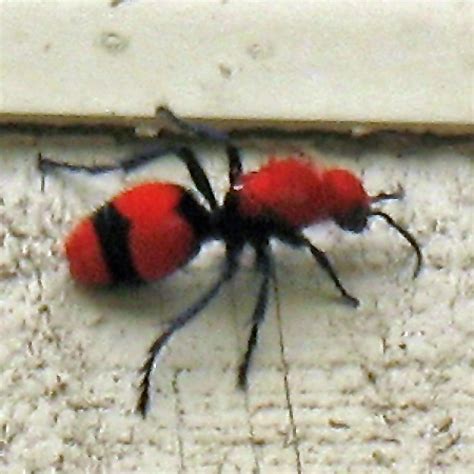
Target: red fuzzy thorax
x=289, y=189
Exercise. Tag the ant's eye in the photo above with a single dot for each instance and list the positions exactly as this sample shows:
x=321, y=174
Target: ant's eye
x=354, y=221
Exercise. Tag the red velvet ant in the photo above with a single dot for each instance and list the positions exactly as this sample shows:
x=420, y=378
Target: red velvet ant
x=150, y=230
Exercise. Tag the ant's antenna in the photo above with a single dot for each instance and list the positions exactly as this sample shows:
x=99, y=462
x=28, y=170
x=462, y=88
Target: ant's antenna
x=398, y=194
x=401, y=230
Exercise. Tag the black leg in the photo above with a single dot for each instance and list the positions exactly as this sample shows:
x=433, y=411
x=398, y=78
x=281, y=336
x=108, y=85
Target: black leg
x=147, y=155
x=188, y=157
x=324, y=262
x=235, y=164
x=199, y=131
x=209, y=133
x=184, y=318
x=265, y=267
x=296, y=239
x=46, y=165
x=198, y=176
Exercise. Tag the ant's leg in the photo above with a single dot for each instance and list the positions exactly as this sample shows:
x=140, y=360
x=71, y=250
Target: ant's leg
x=188, y=157
x=137, y=160
x=296, y=239
x=209, y=133
x=265, y=267
x=184, y=318
x=46, y=164
x=198, y=176
x=147, y=155
x=199, y=131
x=235, y=164
x=323, y=260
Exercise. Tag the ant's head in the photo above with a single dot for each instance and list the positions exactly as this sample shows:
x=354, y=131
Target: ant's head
x=347, y=201
x=350, y=206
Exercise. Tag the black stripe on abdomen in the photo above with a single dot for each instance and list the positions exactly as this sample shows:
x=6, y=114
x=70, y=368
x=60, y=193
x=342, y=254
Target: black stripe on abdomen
x=112, y=230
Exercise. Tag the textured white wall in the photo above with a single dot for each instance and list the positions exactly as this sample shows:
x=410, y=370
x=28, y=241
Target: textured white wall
x=389, y=62
x=384, y=388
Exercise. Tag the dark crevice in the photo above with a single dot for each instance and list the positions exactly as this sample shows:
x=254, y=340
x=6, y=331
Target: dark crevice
x=403, y=141
x=179, y=420
x=294, y=432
